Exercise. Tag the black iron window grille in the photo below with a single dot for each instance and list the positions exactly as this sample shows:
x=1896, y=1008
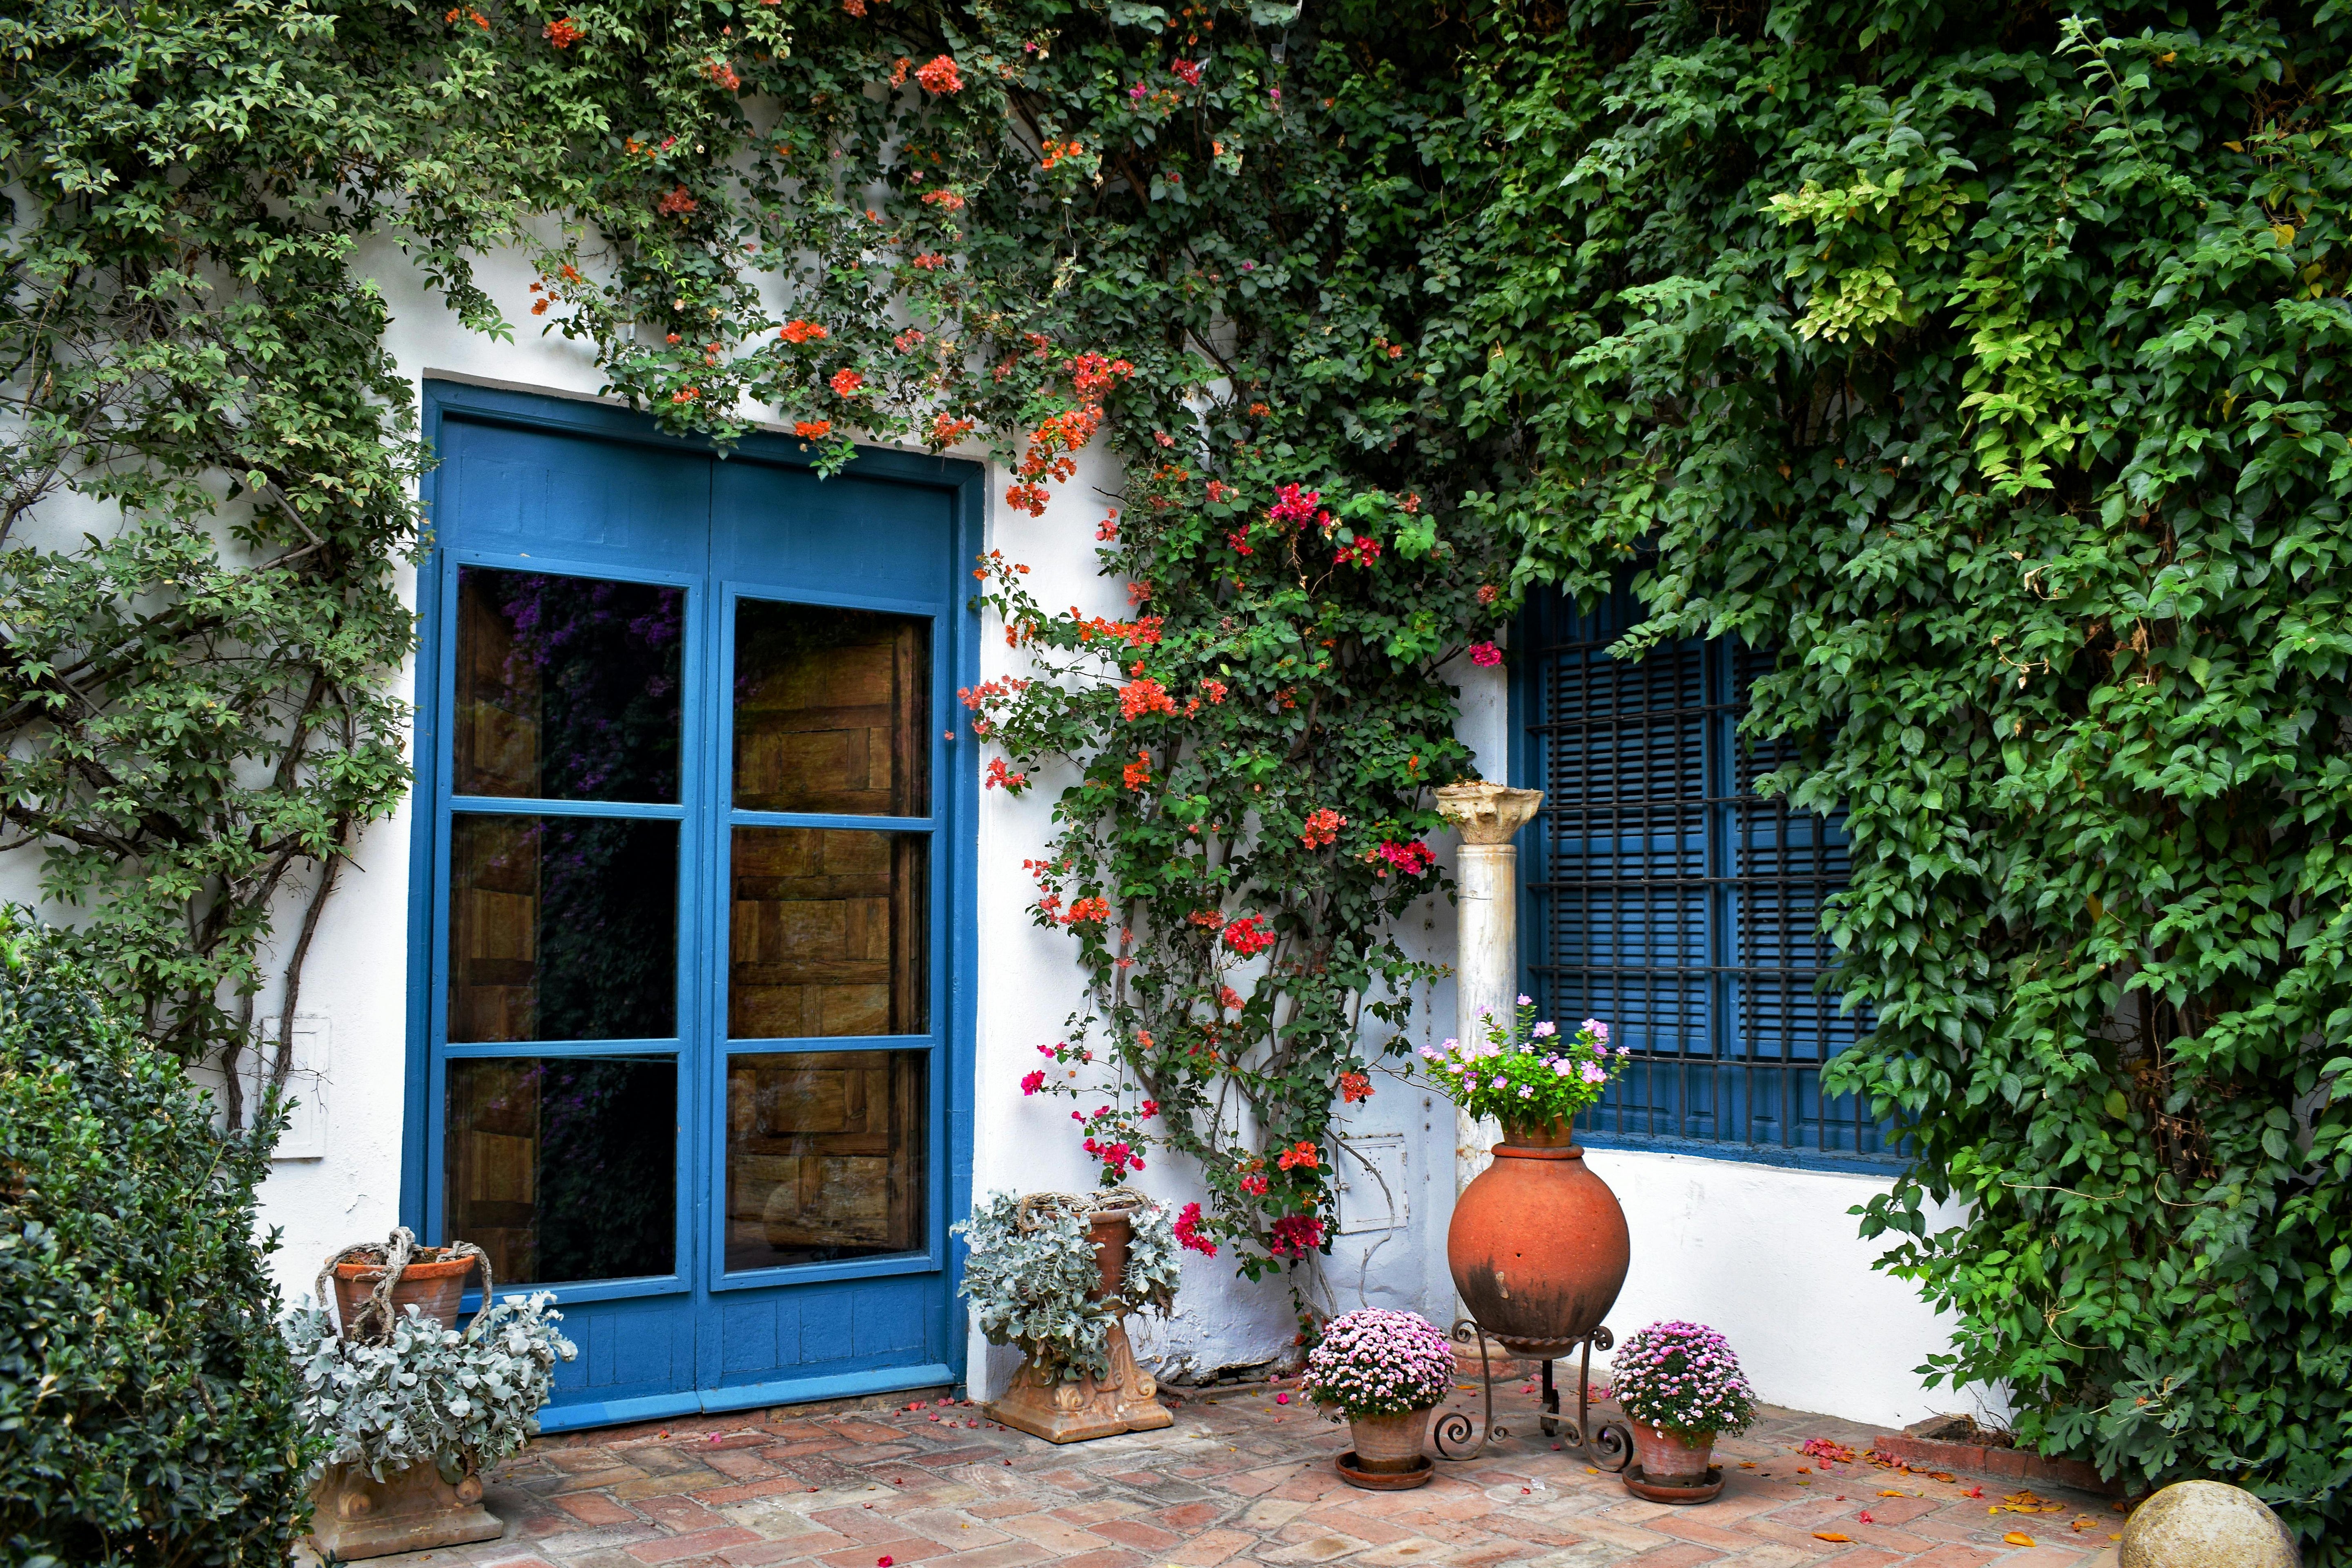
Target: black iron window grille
x=1667, y=899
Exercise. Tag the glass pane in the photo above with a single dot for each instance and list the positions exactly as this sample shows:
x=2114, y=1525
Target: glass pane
x=826, y=933
x=562, y=928
x=832, y=710
x=825, y=1155
x=563, y=1169
x=567, y=688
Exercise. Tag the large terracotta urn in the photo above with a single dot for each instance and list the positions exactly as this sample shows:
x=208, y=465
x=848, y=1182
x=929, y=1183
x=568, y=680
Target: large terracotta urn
x=1538, y=1245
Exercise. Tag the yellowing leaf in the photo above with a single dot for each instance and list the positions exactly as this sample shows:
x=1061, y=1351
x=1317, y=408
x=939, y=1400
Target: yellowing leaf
x=2017, y=1538
x=1831, y=1535
x=1890, y=1494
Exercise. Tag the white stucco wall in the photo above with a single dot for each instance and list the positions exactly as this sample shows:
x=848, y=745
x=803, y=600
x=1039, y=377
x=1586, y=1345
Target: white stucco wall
x=1769, y=1256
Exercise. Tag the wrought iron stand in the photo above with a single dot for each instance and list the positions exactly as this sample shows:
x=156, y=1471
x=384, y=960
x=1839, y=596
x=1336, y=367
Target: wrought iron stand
x=1609, y=1446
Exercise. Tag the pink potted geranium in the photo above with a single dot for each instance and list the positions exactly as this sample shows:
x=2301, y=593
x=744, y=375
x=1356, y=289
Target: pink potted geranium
x=1679, y=1385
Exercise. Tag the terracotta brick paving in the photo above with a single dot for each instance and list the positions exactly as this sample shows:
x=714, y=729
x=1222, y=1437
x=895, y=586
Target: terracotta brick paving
x=1239, y=1481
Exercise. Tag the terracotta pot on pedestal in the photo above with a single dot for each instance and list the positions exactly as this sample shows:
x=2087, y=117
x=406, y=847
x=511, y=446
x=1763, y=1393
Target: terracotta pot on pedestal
x=1061, y=1411
x=1539, y=1245
x=1668, y=1458
x=434, y=1284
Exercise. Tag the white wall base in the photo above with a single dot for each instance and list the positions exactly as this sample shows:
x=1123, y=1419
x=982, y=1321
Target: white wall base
x=1769, y=1257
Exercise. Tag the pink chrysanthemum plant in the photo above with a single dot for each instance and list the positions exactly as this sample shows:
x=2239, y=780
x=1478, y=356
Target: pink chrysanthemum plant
x=1376, y=1362
x=1684, y=1379
x=1525, y=1074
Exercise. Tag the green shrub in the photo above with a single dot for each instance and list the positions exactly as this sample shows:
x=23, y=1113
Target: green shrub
x=146, y=1401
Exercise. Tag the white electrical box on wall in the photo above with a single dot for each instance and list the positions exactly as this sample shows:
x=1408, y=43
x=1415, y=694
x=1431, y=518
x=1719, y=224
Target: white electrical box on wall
x=306, y=1083
x=1372, y=1183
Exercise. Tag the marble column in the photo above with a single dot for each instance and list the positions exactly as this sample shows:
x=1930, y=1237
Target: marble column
x=1487, y=968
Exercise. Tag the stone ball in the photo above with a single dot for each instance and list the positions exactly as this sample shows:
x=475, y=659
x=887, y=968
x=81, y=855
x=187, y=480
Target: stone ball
x=2206, y=1524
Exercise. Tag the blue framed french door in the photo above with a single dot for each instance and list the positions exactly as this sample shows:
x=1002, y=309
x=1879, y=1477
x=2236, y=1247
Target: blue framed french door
x=691, y=924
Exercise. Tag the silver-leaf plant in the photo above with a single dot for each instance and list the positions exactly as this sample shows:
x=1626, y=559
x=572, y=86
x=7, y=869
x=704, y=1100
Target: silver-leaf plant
x=1030, y=1275
x=458, y=1399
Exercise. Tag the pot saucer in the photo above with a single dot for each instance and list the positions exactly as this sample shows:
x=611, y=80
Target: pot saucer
x=1651, y=1491
x=1385, y=1480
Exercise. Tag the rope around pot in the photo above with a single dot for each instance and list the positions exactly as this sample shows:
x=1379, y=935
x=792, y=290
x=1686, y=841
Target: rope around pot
x=375, y=1319
x=1028, y=1214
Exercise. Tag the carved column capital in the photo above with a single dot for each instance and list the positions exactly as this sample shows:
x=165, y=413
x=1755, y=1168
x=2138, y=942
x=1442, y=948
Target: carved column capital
x=1487, y=812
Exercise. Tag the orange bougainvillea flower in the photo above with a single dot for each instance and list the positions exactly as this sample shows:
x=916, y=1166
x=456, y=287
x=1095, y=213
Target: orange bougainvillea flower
x=799, y=331
x=1322, y=828
x=846, y=383
x=940, y=77
x=1143, y=698
x=813, y=429
x=562, y=33
x=1138, y=772
x=1300, y=1153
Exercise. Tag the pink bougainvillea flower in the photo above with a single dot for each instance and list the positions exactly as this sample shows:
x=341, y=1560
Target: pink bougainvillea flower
x=1485, y=655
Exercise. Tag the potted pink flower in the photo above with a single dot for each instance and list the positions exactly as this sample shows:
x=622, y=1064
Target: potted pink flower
x=1679, y=1385
x=1385, y=1371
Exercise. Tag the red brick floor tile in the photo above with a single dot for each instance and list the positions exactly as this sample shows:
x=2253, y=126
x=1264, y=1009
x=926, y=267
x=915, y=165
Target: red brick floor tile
x=701, y=1544
x=682, y=1514
x=1134, y=1532
x=1683, y=1556
x=1212, y=1546
x=1007, y=1554
x=596, y=1507
x=1952, y=1555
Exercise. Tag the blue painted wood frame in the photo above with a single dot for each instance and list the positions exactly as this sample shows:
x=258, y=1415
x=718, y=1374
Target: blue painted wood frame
x=762, y=526
x=1710, y=955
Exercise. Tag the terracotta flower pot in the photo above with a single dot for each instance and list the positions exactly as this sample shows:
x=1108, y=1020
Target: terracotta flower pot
x=1390, y=1445
x=1112, y=1230
x=435, y=1284
x=1538, y=1245
x=1668, y=1457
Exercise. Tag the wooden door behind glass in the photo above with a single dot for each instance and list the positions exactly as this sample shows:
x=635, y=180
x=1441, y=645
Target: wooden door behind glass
x=561, y=1161
x=829, y=920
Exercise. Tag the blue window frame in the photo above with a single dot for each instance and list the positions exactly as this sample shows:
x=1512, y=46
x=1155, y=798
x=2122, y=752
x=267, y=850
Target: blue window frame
x=1661, y=894
x=612, y=1049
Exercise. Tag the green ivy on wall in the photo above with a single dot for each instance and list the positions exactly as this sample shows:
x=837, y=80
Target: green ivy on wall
x=1990, y=366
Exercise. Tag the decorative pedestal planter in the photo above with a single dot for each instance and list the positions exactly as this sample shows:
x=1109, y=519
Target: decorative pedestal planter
x=1060, y=1411
x=1065, y=1412
x=410, y=1511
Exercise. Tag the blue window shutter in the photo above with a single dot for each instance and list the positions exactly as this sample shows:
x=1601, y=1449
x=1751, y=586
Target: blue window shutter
x=1667, y=899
